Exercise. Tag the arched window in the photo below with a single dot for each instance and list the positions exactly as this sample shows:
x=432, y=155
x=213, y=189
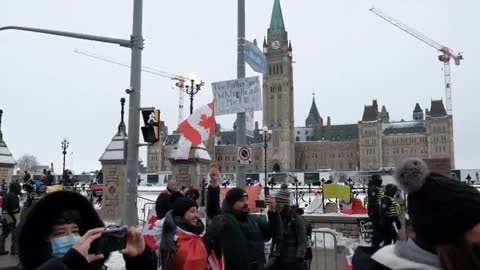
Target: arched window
x=297, y=139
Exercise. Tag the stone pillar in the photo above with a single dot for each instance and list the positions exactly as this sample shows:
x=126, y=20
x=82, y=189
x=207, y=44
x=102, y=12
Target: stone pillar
x=7, y=162
x=6, y=172
x=114, y=168
x=114, y=180
x=191, y=172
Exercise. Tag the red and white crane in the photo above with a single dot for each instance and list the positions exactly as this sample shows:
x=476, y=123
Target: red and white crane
x=179, y=80
x=446, y=53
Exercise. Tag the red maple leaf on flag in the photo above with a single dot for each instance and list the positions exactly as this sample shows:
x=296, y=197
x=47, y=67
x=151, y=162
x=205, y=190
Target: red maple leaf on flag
x=208, y=122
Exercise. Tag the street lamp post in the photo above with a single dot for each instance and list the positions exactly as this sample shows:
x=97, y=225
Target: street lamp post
x=65, y=145
x=135, y=43
x=266, y=136
x=192, y=90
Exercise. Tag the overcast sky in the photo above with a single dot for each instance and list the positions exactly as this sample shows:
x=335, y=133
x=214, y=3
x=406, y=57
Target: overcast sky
x=343, y=53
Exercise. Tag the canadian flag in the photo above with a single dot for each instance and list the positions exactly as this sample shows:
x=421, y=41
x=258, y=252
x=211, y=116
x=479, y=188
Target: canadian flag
x=200, y=125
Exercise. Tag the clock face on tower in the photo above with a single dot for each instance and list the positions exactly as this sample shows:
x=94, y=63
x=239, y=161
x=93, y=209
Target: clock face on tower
x=276, y=44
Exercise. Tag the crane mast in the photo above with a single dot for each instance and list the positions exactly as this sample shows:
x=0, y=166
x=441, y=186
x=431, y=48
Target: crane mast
x=180, y=80
x=446, y=53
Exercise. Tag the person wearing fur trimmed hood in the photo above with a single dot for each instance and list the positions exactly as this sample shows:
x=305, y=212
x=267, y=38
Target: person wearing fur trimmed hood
x=57, y=233
x=190, y=251
x=445, y=216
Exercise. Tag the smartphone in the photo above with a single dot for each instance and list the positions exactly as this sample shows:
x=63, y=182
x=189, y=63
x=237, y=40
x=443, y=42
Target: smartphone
x=111, y=240
x=260, y=204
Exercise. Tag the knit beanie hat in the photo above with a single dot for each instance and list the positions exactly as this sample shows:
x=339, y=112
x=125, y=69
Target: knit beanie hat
x=181, y=206
x=441, y=209
x=234, y=195
x=282, y=197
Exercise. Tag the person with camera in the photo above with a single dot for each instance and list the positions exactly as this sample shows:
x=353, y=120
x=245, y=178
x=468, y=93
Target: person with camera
x=235, y=233
x=60, y=230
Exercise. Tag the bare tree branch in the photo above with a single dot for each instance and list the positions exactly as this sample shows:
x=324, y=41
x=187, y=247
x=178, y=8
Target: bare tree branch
x=27, y=162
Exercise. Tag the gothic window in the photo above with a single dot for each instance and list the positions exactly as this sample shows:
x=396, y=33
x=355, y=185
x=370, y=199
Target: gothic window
x=270, y=70
x=298, y=132
x=281, y=69
x=271, y=89
x=279, y=88
x=306, y=132
x=297, y=139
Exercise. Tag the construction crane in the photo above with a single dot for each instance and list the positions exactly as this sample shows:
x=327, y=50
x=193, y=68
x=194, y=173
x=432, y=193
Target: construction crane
x=180, y=80
x=446, y=53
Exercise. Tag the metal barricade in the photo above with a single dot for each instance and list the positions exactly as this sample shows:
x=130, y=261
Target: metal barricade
x=324, y=250
x=144, y=206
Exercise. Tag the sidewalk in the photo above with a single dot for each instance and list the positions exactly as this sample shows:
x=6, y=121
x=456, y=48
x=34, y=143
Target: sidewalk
x=8, y=262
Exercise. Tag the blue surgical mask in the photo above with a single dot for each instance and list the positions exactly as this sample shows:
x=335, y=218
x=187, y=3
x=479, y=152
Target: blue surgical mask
x=61, y=245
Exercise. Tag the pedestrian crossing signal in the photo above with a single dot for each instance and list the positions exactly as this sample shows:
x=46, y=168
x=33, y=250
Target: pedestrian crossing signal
x=151, y=128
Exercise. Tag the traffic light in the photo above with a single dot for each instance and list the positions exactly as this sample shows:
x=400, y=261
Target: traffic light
x=151, y=129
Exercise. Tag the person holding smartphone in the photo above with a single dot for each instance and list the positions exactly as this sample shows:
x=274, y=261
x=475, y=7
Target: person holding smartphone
x=58, y=233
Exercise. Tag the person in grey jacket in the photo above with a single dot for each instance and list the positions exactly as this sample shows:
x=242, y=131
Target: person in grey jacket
x=289, y=244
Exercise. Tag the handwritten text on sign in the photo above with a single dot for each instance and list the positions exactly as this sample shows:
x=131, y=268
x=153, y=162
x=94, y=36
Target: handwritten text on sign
x=236, y=96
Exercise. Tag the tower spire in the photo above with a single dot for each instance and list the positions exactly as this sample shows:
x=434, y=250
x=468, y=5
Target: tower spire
x=277, y=26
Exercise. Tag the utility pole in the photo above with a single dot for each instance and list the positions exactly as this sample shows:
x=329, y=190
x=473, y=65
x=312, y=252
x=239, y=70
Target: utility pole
x=131, y=214
x=241, y=119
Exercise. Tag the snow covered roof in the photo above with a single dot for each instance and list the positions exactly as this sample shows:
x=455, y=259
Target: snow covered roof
x=404, y=127
x=117, y=149
x=5, y=155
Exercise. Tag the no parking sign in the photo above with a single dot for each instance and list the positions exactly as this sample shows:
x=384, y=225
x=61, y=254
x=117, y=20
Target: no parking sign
x=244, y=155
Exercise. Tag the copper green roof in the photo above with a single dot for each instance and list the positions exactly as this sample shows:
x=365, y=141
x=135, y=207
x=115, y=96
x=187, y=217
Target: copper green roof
x=277, y=27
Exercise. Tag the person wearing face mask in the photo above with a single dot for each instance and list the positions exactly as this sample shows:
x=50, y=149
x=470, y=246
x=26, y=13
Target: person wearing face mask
x=235, y=233
x=190, y=252
x=445, y=217
x=10, y=217
x=59, y=229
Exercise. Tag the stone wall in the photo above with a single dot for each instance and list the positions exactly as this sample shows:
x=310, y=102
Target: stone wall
x=347, y=225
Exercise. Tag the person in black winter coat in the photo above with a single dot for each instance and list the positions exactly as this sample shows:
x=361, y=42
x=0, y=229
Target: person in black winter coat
x=389, y=215
x=10, y=217
x=374, y=194
x=289, y=242
x=234, y=233
x=58, y=231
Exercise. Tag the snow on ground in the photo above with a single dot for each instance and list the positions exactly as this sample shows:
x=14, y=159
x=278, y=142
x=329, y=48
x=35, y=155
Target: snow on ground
x=116, y=261
x=323, y=238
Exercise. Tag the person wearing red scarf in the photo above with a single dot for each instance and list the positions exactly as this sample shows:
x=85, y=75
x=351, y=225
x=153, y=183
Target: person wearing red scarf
x=190, y=252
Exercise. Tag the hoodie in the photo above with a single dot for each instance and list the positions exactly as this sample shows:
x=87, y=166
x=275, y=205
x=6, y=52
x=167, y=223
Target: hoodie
x=407, y=256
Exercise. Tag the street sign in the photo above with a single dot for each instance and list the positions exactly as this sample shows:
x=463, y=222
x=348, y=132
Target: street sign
x=244, y=155
x=237, y=96
x=255, y=57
